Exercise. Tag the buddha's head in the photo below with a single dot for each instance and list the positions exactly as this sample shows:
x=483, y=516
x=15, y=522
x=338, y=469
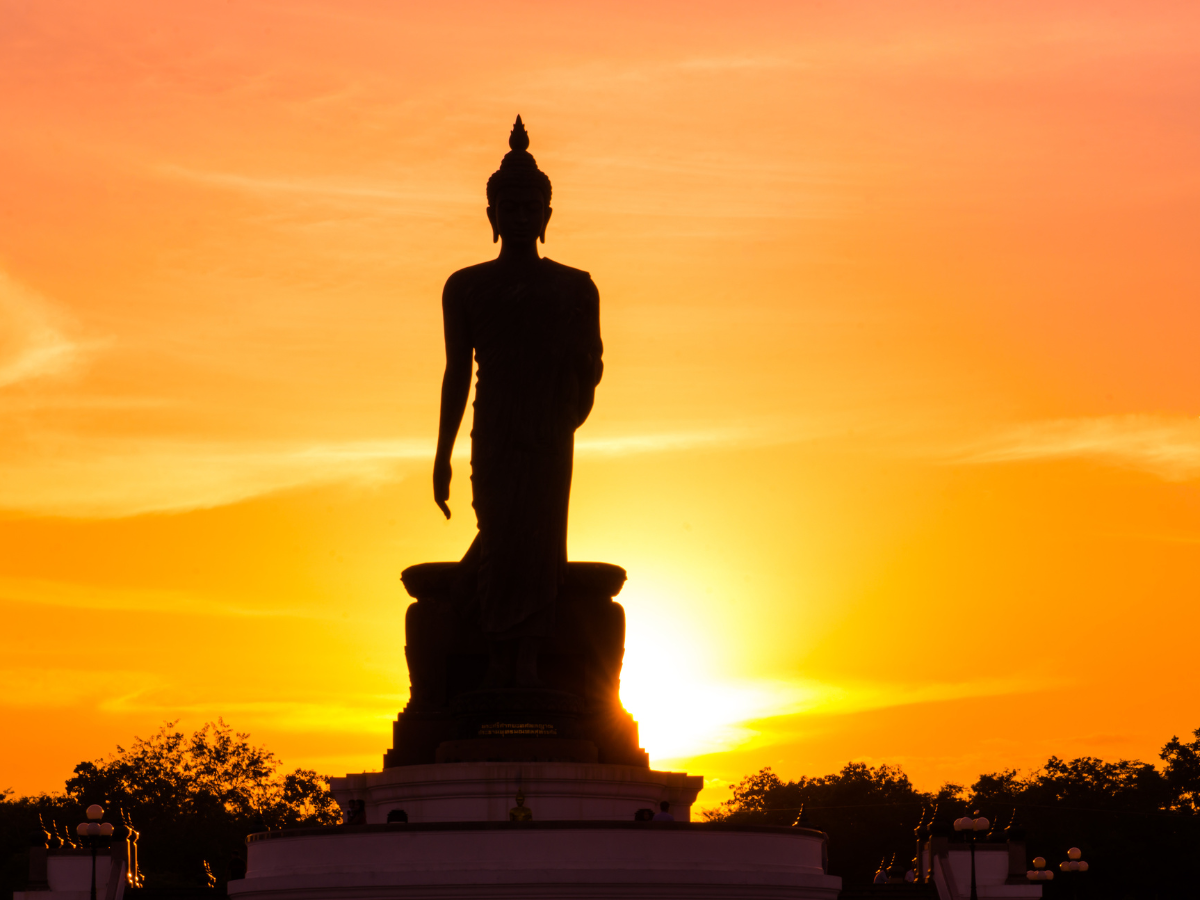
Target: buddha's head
x=518, y=193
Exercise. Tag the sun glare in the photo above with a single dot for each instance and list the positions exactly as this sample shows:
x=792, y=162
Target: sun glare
x=686, y=705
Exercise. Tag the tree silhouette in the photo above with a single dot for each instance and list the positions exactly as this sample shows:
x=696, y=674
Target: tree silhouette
x=194, y=799
x=867, y=812
x=1138, y=826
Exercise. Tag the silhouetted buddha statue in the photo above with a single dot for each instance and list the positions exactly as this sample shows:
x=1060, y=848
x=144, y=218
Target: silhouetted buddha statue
x=520, y=812
x=533, y=327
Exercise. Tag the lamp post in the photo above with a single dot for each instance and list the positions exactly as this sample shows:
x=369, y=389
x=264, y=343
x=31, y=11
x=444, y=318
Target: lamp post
x=95, y=834
x=972, y=825
x=1039, y=872
x=1073, y=863
x=921, y=833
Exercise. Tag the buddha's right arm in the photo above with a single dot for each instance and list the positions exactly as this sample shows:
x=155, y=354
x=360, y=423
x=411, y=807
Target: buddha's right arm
x=456, y=381
x=456, y=386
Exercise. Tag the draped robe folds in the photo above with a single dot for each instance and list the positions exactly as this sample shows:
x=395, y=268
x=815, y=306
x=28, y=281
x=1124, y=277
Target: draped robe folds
x=536, y=340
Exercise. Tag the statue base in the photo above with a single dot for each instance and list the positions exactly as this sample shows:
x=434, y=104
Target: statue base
x=593, y=860
x=536, y=750
x=575, y=716
x=462, y=754
x=485, y=791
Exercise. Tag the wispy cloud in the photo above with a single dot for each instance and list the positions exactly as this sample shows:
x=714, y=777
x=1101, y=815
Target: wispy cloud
x=1167, y=446
x=346, y=712
x=117, y=477
x=127, y=599
x=664, y=442
x=736, y=63
x=33, y=340
x=686, y=708
x=128, y=477
x=154, y=694
x=46, y=686
x=327, y=189
x=683, y=717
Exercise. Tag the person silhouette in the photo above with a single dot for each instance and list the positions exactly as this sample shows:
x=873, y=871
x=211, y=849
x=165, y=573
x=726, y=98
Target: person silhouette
x=532, y=326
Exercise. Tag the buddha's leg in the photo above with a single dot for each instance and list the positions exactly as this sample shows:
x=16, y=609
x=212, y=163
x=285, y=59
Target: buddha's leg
x=521, y=500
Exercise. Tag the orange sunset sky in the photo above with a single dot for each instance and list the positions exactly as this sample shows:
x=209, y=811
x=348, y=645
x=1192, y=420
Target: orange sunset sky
x=899, y=436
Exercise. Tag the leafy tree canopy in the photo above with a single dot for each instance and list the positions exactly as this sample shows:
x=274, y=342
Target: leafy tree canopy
x=1122, y=815
x=215, y=770
x=1182, y=773
x=869, y=812
x=194, y=798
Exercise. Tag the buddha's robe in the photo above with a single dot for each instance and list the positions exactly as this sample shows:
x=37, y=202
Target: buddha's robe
x=536, y=341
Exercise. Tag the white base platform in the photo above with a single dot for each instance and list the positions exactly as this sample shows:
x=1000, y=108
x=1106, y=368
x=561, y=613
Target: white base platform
x=485, y=792
x=952, y=874
x=69, y=875
x=547, y=860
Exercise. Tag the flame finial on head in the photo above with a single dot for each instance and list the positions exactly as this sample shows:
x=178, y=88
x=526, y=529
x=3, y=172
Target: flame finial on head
x=518, y=168
x=519, y=138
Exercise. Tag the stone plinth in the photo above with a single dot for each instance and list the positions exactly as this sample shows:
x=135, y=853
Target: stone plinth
x=576, y=716
x=69, y=876
x=537, y=859
x=952, y=871
x=484, y=792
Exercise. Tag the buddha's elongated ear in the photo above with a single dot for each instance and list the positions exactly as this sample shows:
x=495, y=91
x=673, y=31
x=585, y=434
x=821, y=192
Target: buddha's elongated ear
x=491, y=214
x=545, y=222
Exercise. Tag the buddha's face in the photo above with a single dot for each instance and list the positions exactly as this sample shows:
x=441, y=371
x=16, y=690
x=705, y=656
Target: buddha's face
x=520, y=215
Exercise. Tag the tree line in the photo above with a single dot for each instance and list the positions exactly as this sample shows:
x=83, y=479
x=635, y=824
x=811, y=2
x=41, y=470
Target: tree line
x=1137, y=824
x=194, y=798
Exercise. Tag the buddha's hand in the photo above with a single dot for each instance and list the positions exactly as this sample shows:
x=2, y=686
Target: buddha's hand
x=442, y=474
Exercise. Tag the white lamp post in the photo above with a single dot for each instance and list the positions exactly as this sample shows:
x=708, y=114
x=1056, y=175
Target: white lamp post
x=972, y=825
x=1039, y=872
x=95, y=834
x=1073, y=863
